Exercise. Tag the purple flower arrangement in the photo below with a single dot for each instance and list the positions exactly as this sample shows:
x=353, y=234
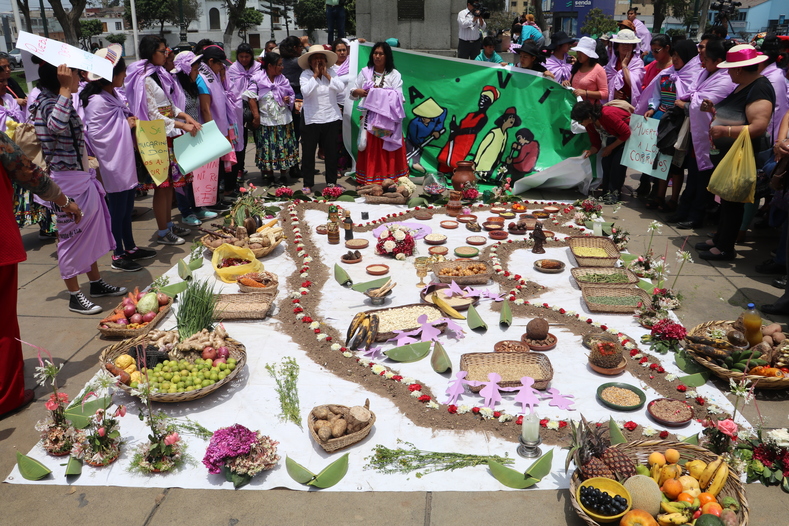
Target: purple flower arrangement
x=240, y=454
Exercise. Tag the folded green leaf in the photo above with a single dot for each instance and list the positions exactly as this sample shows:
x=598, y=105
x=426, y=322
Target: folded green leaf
x=785, y=484
x=541, y=467
x=695, y=380
x=505, y=318
x=413, y=352
x=474, y=319
x=692, y=439
x=331, y=474
x=74, y=467
x=184, y=272
x=374, y=284
x=606, y=226
x=174, y=289
x=298, y=472
x=439, y=360
x=616, y=435
x=346, y=198
x=416, y=201
x=628, y=257
x=645, y=285
x=80, y=414
x=687, y=364
x=510, y=477
x=31, y=468
x=195, y=264
x=341, y=276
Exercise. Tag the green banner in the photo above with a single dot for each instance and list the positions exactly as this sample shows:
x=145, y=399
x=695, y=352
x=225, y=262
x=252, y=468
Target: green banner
x=466, y=110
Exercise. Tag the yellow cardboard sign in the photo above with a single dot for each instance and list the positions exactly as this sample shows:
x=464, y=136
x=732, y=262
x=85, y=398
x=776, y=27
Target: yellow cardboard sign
x=152, y=144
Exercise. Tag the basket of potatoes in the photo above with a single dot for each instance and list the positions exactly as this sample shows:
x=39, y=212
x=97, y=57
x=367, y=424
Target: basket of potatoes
x=336, y=427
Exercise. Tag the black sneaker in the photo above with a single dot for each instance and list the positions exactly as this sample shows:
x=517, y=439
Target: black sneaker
x=100, y=289
x=79, y=303
x=45, y=236
x=141, y=253
x=779, y=283
x=170, y=239
x=126, y=264
x=770, y=266
x=180, y=231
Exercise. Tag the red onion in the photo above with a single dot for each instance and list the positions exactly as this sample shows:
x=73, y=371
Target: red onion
x=122, y=321
x=162, y=298
x=149, y=316
x=140, y=295
x=129, y=310
x=127, y=301
x=137, y=318
x=223, y=352
x=218, y=361
x=209, y=353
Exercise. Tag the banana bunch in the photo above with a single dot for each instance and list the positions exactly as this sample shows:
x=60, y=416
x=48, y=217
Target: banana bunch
x=362, y=331
x=744, y=360
x=675, y=513
x=782, y=356
x=714, y=476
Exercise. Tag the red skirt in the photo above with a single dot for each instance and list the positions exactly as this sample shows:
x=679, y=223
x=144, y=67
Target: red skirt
x=374, y=164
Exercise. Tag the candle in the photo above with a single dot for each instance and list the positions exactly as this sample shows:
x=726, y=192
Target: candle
x=365, y=216
x=531, y=428
x=597, y=229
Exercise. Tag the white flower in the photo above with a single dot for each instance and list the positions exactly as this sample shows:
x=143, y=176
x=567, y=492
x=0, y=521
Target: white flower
x=432, y=405
x=416, y=394
x=570, y=313
x=335, y=347
x=486, y=412
x=378, y=369
x=408, y=380
x=691, y=394
x=779, y=436
x=505, y=418
x=714, y=409
x=555, y=308
x=519, y=301
x=400, y=256
x=308, y=259
x=552, y=424
x=295, y=295
x=638, y=356
x=384, y=233
x=347, y=354
x=389, y=245
x=322, y=336
x=399, y=235
x=303, y=289
x=613, y=331
x=315, y=325
x=463, y=409
x=671, y=377
x=649, y=431
x=304, y=275
x=389, y=375
x=364, y=361
x=645, y=364
x=299, y=315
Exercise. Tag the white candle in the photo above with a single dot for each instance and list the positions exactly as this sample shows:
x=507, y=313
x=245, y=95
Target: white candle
x=597, y=229
x=531, y=428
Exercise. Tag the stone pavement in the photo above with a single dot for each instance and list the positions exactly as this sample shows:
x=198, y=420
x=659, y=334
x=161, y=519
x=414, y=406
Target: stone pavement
x=717, y=291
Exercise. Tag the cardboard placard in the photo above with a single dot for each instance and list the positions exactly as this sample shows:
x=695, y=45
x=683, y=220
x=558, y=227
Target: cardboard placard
x=205, y=181
x=152, y=144
x=641, y=151
x=208, y=145
x=57, y=53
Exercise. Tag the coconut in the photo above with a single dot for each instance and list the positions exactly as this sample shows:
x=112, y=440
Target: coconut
x=645, y=493
x=537, y=329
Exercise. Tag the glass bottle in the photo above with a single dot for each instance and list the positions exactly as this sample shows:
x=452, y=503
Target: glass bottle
x=753, y=326
x=455, y=205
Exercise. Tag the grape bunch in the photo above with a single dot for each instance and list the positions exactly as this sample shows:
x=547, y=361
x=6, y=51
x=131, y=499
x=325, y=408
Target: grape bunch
x=601, y=502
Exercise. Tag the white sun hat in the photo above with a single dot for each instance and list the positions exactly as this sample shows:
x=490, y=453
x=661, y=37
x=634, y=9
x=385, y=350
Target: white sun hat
x=586, y=46
x=626, y=36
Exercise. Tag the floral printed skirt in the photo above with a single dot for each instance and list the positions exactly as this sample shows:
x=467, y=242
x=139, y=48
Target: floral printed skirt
x=277, y=147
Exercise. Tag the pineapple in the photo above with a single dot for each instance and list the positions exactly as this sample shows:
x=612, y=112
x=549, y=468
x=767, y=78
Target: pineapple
x=618, y=462
x=607, y=355
x=592, y=455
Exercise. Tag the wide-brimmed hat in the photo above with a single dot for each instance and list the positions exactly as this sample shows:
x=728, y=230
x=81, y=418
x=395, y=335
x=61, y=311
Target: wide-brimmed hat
x=215, y=52
x=626, y=36
x=530, y=48
x=429, y=109
x=626, y=24
x=560, y=38
x=113, y=53
x=317, y=49
x=742, y=55
x=587, y=46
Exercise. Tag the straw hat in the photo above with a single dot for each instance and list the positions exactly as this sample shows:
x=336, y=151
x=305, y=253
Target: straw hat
x=742, y=55
x=317, y=49
x=626, y=24
x=626, y=36
x=586, y=46
x=113, y=53
x=429, y=109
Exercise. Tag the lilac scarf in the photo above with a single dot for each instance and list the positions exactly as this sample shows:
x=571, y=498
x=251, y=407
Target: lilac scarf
x=715, y=87
x=222, y=108
x=616, y=79
x=777, y=78
x=81, y=245
x=384, y=111
x=279, y=88
x=238, y=81
x=683, y=80
x=561, y=69
x=134, y=86
x=110, y=139
x=344, y=68
x=9, y=110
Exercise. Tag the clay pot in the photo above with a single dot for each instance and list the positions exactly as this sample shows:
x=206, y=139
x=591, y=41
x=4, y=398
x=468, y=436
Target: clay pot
x=463, y=174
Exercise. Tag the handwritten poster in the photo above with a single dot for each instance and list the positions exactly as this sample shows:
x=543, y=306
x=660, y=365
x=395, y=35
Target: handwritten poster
x=208, y=145
x=641, y=151
x=152, y=144
x=204, y=183
x=57, y=53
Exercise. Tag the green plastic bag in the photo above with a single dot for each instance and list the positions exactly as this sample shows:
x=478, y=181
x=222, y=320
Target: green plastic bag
x=734, y=179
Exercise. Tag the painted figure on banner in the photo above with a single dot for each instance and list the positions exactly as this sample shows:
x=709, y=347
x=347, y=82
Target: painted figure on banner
x=426, y=126
x=494, y=143
x=523, y=155
x=463, y=135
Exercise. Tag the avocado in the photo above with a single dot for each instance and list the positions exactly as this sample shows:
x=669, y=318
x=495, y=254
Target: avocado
x=709, y=520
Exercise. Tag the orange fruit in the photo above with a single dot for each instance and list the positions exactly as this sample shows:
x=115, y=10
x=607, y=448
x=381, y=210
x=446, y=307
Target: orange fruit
x=712, y=508
x=672, y=456
x=672, y=488
x=685, y=497
x=657, y=458
x=705, y=497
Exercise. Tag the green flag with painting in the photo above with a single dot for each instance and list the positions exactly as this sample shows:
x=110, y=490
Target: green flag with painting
x=510, y=122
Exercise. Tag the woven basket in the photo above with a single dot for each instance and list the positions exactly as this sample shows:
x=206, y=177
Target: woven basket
x=476, y=279
x=336, y=444
x=594, y=242
x=244, y=306
x=384, y=336
x=610, y=292
x=236, y=348
x=259, y=253
x=509, y=365
x=119, y=332
x=382, y=200
x=759, y=382
x=580, y=272
x=269, y=275
x=639, y=451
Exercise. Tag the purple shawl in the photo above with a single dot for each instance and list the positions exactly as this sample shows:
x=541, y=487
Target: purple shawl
x=110, y=139
x=134, y=86
x=384, y=111
x=344, y=68
x=616, y=79
x=715, y=87
x=222, y=108
x=10, y=110
x=279, y=87
x=561, y=69
x=777, y=78
x=238, y=80
x=683, y=80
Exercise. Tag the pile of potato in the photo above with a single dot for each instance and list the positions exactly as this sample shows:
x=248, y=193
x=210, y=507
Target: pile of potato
x=335, y=421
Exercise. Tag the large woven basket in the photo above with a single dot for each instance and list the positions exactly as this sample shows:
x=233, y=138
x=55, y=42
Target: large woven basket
x=610, y=292
x=236, y=348
x=119, y=332
x=606, y=244
x=759, y=382
x=579, y=273
x=639, y=451
x=336, y=444
x=244, y=306
x=511, y=366
x=268, y=275
x=383, y=336
x=476, y=279
x=259, y=253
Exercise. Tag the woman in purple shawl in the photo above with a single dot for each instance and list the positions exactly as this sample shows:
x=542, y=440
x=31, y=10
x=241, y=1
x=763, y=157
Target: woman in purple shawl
x=108, y=133
x=149, y=90
x=625, y=68
x=239, y=75
x=271, y=100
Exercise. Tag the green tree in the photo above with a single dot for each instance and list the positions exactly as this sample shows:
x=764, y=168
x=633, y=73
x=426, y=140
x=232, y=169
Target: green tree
x=311, y=15
x=597, y=23
x=246, y=20
x=234, y=9
x=675, y=8
x=152, y=13
x=69, y=21
x=89, y=28
x=116, y=38
x=24, y=8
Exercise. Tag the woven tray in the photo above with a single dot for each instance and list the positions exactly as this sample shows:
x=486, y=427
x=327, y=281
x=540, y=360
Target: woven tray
x=579, y=273
x=612, y=292
x=336, y=444
x=259, y=253
x=759, y=382
x=244, y=306
x=269, y=275
x=119, y=332
x=382, y=200
x=236, y=348
x=476, y=279
x=594, y=242
x=383, y=336
x=640, y=450
x=509, y=365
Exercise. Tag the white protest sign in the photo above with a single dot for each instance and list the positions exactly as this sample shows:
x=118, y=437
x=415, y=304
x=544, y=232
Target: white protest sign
x=57, y=53
x=204, y=183
x=641, y=151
